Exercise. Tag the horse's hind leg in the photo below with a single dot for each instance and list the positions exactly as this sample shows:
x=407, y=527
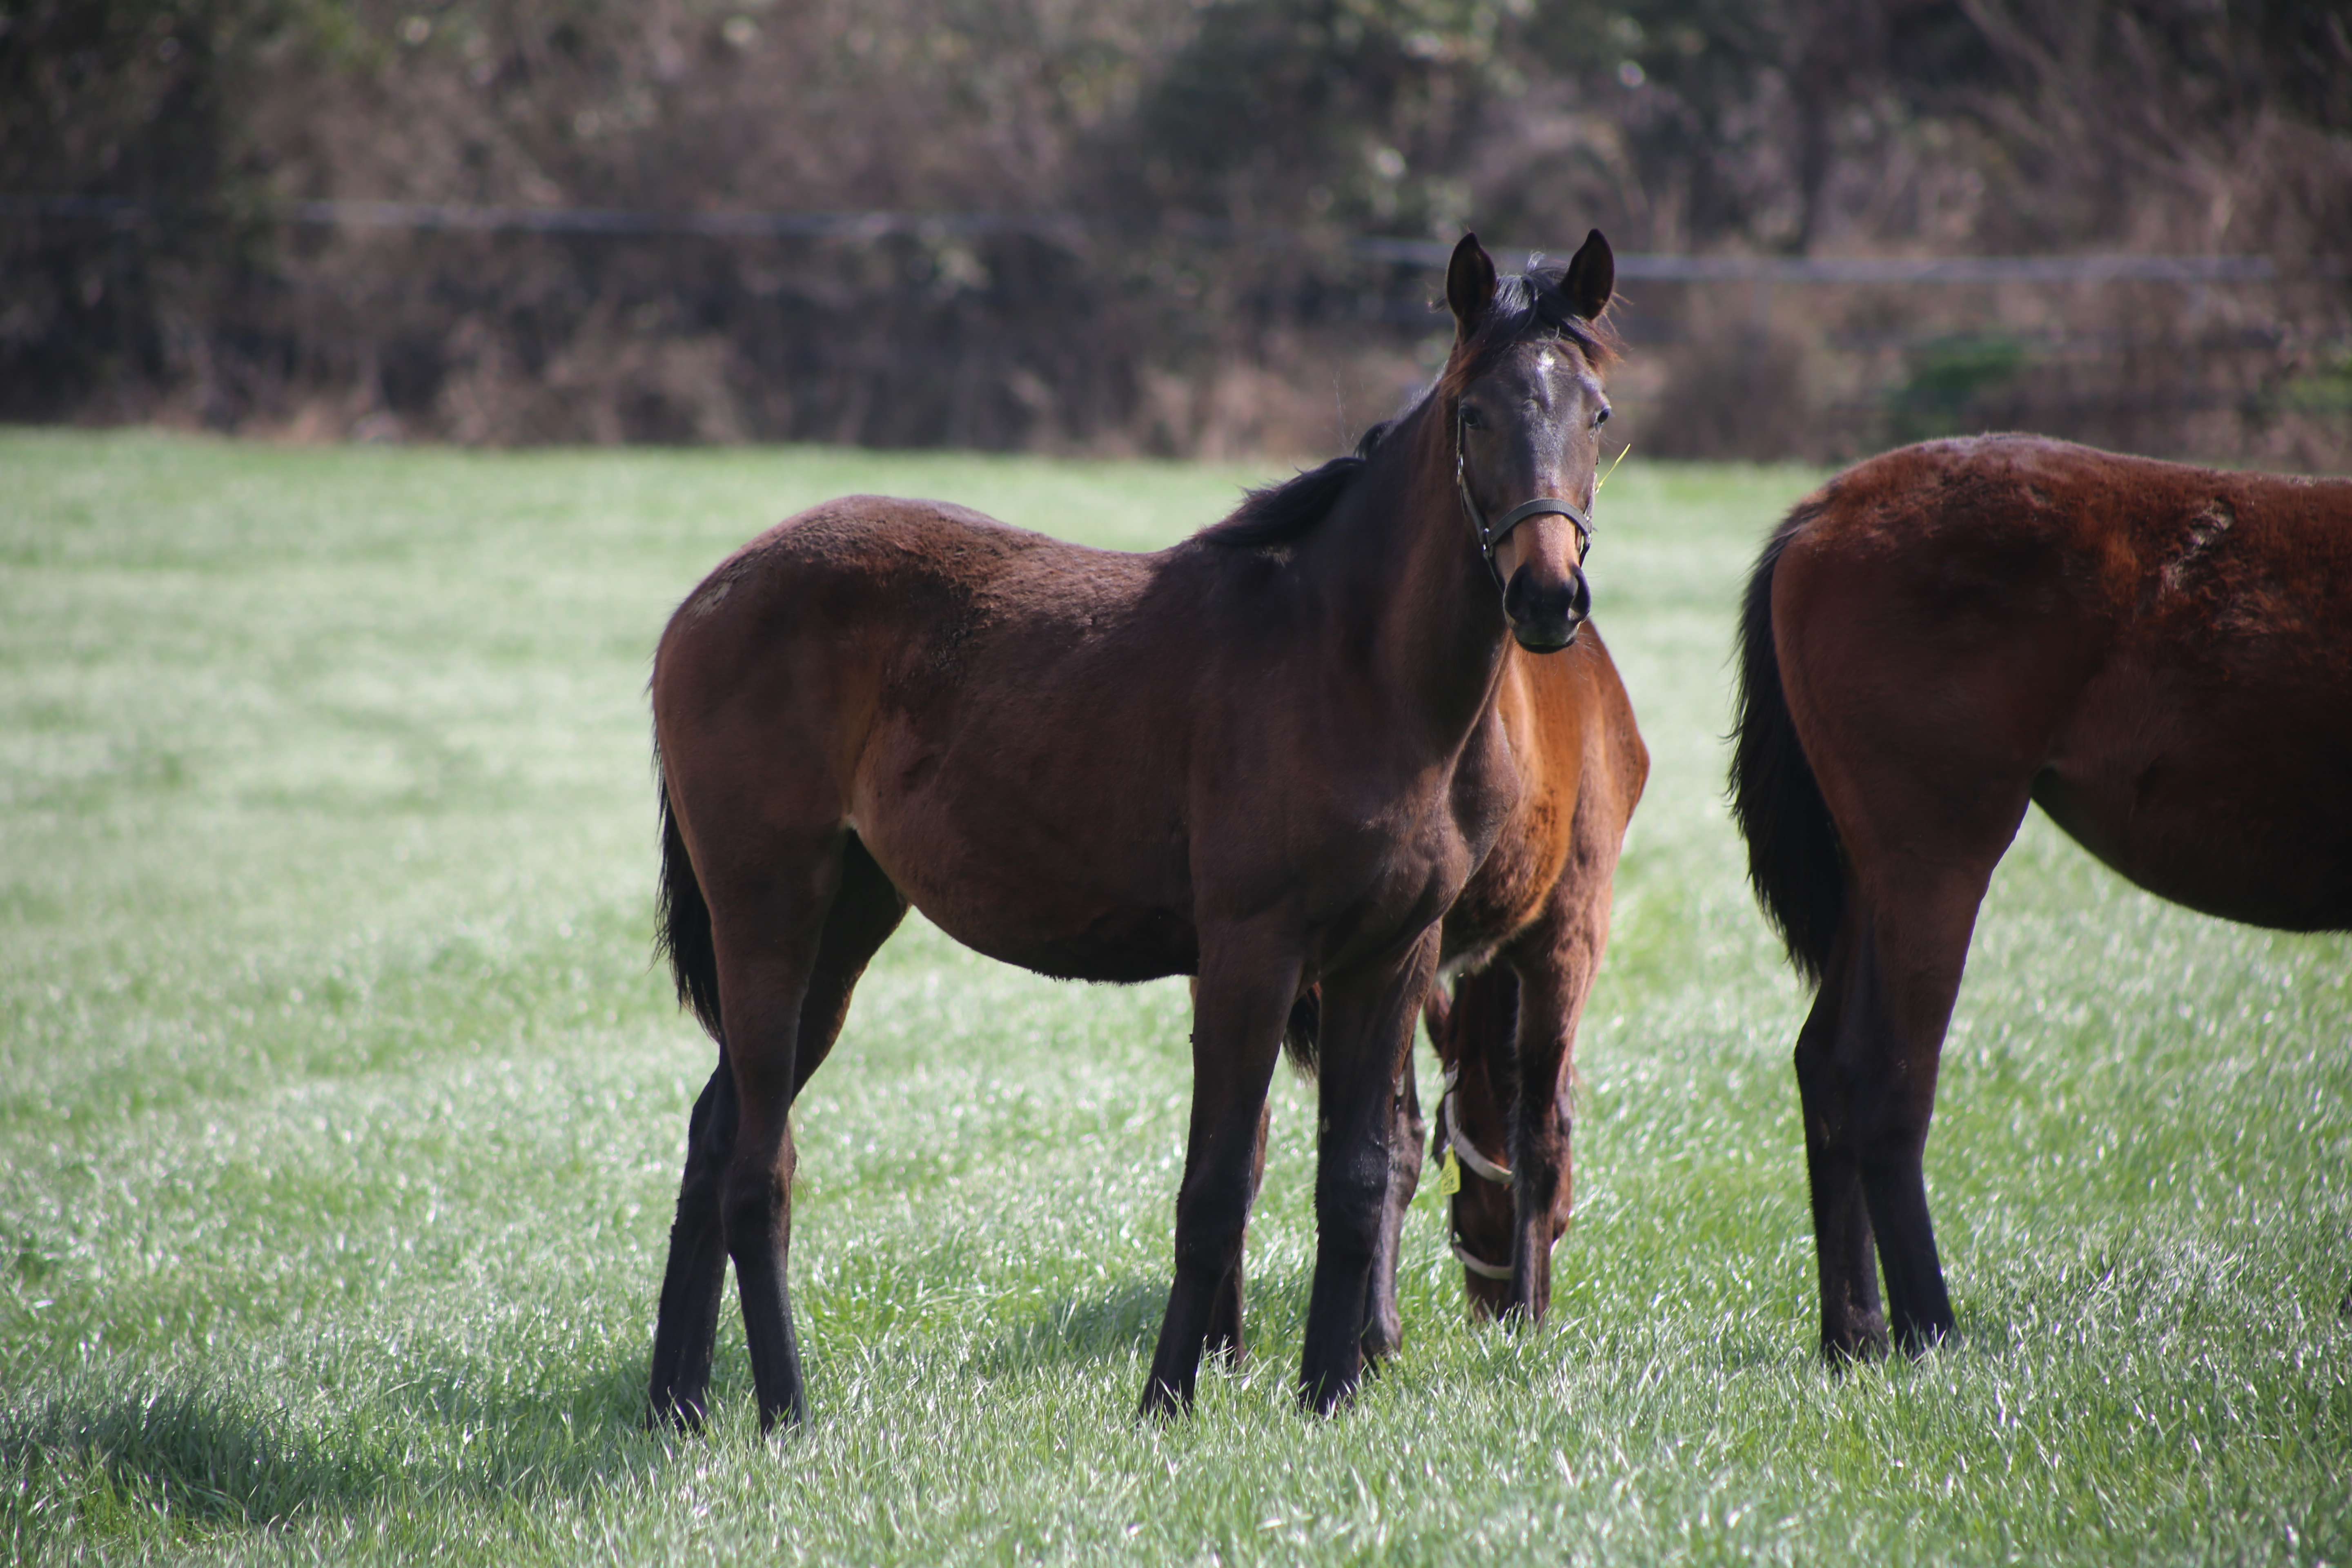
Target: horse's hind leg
x=1854, y=1322
x=865, y=911
x=771, y=915
x=1866, y=1065
x=866, y=908
x=688, y=1325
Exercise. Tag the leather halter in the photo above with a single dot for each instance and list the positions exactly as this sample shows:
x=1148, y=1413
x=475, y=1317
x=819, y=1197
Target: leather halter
x=1491, y=535
x=1486, y=1169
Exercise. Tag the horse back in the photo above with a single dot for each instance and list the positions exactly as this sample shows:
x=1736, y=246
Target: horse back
x=832, y=666
x=2158, y=653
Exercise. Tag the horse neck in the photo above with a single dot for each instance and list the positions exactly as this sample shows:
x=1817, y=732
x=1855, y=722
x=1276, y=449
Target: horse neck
x=1416, y=601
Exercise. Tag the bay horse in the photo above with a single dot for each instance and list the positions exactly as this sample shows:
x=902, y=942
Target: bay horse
x=1524, y=941
x=1527, y=934
x=2159, y=656
x=1269, y=757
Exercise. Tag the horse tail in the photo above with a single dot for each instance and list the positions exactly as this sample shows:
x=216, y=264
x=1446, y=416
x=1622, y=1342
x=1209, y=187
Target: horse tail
x=1794, y=861
x=683, y=930
x=1302, y=1032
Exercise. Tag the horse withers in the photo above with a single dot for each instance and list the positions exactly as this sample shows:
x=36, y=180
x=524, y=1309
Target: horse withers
x=1270, y=756
x=2159, y=656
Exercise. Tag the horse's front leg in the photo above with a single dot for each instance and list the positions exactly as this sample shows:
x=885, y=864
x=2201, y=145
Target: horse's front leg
x=1553, y=987
x=1226, y=1342
x=1383, y=1323
x=1368, y=1020
x=1239, y=1004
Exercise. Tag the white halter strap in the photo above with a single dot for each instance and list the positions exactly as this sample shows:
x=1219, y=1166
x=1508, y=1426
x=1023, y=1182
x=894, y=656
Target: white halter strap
x=1466, y=1152
x=1463, y=1150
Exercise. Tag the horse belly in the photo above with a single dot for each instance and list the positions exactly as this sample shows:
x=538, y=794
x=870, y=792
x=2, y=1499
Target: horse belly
x=2224, y=799
x=1081, y=893
x=1058, y=930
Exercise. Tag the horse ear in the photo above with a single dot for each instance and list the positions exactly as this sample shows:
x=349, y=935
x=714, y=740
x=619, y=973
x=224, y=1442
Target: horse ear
x=1591, y=278
x=1469, y=286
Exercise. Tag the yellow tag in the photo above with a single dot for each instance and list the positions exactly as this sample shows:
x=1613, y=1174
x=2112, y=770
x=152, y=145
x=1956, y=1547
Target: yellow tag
x=1449, y=1175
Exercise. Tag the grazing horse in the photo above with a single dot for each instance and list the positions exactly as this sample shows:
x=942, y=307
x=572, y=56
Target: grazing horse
x=1528, y=933
x=2159, y=656
x=1270, y=757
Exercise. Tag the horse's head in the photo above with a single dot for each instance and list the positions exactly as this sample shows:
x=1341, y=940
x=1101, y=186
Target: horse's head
x=1523, y=398
x=1472, y=1031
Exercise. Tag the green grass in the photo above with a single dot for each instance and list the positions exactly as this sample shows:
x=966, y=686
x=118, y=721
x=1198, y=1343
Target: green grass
x=340, y=1112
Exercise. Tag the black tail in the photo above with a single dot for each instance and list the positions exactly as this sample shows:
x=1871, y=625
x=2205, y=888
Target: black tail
x=1794, y=862
x=1302, y=1034
x=684, y=932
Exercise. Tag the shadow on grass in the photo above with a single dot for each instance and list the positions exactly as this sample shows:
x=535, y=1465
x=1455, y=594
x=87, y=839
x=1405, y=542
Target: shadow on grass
x=1119, y=1319
x=180, y=1456
x=1123, y=1319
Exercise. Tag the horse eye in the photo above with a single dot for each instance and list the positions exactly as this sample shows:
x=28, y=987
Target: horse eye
x=1470, y=420
x=1601, y=419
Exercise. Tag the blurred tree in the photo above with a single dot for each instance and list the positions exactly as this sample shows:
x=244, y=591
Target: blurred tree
x=1349, y=112
x=124, y=99
x=1214, y=156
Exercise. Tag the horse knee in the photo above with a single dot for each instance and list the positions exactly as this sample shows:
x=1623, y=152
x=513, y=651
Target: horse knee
x=1209, y=1227
x=1350, y=1206
x=753, y=1204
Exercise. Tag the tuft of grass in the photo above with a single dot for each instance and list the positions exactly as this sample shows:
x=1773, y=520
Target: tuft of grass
x=340, y=1112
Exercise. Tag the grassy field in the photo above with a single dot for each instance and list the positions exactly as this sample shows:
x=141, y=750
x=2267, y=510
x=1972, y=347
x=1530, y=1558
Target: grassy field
x=340, y=1112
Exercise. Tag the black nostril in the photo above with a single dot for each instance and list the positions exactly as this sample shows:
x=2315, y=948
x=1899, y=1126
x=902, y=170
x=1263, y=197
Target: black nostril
x=1524, y=600
x=1545, y=617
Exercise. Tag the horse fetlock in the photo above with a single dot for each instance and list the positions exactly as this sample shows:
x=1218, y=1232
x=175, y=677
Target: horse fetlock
x=1164, y=1400
x=1324, y=1392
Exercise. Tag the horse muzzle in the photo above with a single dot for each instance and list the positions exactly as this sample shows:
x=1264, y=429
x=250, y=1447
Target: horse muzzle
x=1545, y=616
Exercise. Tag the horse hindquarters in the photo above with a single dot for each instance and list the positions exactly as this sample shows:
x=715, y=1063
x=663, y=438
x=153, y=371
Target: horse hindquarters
x=1882, y=770
x=775, y=943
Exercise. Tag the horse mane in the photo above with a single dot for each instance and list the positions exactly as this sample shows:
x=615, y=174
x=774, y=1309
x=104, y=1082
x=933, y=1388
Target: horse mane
x=1526, y=305
x=1275, y=515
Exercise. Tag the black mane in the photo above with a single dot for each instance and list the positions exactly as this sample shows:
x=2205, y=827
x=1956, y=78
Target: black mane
x=1526, y=305
x=1277, y=514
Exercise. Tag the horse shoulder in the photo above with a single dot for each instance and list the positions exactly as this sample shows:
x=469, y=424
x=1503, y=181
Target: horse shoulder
x=1581, y=766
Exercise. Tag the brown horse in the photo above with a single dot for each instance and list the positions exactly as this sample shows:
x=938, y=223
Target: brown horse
x=2159, y=656
x=1269, y=757
x=1525, y=937
x=1528, y=933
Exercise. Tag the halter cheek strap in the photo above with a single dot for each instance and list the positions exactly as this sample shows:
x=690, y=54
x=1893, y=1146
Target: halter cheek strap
x=1468, y=1153
x=1491, y=535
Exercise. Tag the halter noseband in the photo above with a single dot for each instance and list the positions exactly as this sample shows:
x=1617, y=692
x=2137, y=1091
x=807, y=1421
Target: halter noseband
x=1486, y=1169
x=1491, y=536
